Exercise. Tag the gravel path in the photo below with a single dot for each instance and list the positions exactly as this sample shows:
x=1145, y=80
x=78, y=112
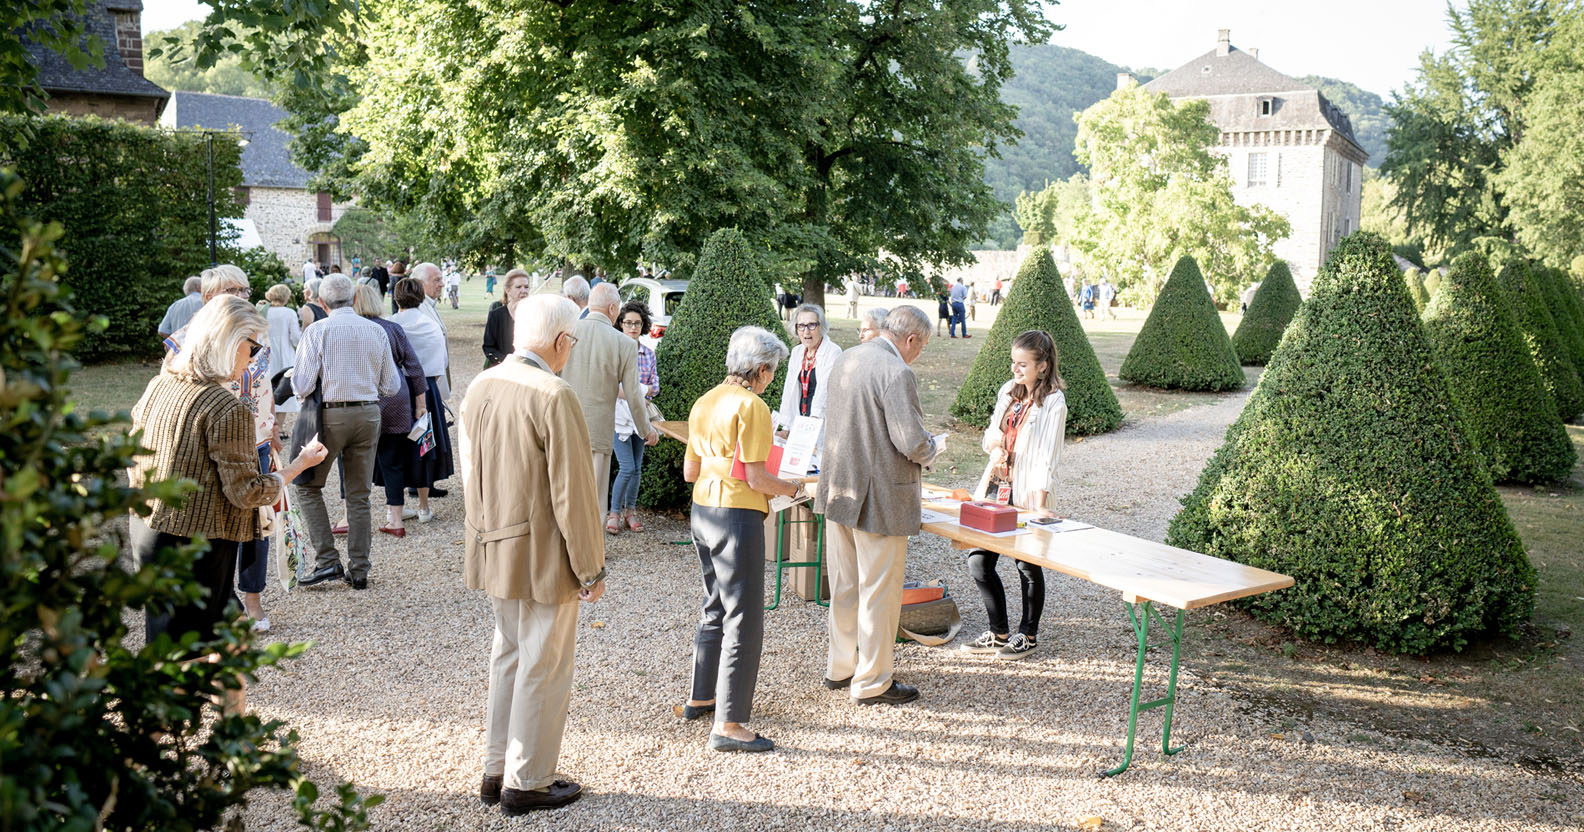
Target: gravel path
x=392, y=697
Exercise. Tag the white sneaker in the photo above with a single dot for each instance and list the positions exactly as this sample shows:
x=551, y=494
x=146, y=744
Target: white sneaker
x=261, y=625
x=425, y=516
x=987, y=643
x=409, y=513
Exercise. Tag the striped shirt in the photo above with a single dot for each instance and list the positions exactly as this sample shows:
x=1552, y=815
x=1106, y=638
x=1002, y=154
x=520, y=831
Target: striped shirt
x=347, y=357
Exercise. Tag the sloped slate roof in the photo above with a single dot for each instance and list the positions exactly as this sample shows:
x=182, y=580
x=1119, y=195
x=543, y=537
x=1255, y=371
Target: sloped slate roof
x=56, y=74
x=266, y=163
x=1299, y=106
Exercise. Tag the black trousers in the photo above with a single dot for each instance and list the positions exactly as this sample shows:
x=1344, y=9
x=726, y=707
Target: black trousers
x=982, y=566
x=215, y=570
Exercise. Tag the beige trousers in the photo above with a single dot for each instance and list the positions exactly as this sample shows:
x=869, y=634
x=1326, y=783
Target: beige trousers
x=865, y=606
x=530, y=687
x=602, y=482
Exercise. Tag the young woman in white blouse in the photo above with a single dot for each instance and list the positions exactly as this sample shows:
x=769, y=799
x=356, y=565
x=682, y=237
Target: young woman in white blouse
x=1024, y=442
x=809, y=368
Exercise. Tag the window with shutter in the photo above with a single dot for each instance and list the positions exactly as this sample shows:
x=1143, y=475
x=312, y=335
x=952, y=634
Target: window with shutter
x=324, y=206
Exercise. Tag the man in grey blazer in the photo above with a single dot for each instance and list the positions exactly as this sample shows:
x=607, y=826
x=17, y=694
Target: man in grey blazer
x=603, y=359
x=875, y=446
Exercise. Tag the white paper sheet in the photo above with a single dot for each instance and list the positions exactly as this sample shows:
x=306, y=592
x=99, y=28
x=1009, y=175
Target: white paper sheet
x=797, y=455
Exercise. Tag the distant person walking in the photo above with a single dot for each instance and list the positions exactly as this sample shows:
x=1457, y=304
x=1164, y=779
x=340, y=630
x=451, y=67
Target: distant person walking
x=604, y=364
x=1107, y=294
x=312, y=309
x=182, y=310
x=959, y=313
x=995, y=293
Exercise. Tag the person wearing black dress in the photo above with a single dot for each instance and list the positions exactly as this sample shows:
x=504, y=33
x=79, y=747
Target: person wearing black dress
x=500, y=326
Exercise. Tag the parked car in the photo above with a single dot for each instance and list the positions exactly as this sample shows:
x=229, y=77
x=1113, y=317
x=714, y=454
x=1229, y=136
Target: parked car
x=662, y=296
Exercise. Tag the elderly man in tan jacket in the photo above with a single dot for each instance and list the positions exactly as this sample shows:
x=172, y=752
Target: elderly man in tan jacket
x=534, y=545
x=603, y=362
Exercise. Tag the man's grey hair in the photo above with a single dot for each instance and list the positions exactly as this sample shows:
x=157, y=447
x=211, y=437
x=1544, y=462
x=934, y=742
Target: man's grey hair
x=422, y=271
x=576, y=289
x=751, y=349
x=335, y=291
x=311, y=288
x=907, y=320
x=541, y=319
x=819, y=316
x=876, y=318
x=192, y=284
x=604, y=296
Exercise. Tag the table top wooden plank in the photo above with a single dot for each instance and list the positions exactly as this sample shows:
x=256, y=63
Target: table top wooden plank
x=1131, y=565
x=677, y=430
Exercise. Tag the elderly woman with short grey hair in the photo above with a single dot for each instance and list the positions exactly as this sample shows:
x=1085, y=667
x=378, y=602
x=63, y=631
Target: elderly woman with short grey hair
x=313, y=308
x=871, y=323
x=814, y=359
x=728, y=425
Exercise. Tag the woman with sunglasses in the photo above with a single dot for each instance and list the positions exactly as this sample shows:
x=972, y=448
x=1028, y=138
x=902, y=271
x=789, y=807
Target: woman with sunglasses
x=813, y=360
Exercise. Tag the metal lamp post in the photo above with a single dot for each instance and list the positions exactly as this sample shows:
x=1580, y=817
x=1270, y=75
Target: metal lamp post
x=214, y=258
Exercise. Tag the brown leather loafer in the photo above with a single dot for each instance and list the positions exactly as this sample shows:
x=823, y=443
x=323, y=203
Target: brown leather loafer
x=490, y=789
x=559, y=793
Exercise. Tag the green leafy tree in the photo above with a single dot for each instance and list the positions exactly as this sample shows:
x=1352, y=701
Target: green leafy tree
x=1158, y=192
x=1506, y=409
x=372, y=234
x=1038, y=300
x=263, y=267
x=1555, y=297
x=1183, y=344
x=1274, y=304
x=725, y=293
x=1036, y=215
x=56, y=25
x=1350, y=469
x=1364, y=109
x=96, y=730
x=1543, y=340
x=1565, y=296
x=175, y=68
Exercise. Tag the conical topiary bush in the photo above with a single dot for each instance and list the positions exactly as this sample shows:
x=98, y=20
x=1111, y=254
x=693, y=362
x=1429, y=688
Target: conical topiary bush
x=724, y=293
x=1556, y=301
x=1416, y=289
x=1183, y=344
x=1543, y=340
x=1038, y=300
x=1432, y=282
x=1508, y=413
x=1350, y=470
x=1262, y=326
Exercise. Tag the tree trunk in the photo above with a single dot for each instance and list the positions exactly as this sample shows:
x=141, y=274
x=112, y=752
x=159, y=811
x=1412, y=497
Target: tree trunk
x=814, y=290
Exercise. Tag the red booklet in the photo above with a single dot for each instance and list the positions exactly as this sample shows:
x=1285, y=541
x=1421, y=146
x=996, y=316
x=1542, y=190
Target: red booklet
x=773, y=464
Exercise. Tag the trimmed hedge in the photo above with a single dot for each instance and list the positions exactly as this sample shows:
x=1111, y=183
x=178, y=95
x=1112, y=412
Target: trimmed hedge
x=1556, y=301
x=1183, y=344
x=1038, y=300
x=1544, y=341
x=724, y=293
x=1351, y=471
x=1508, y=413
x=134, y=203
x=1275, y=302
x=1416, y=289
x=1432, y=284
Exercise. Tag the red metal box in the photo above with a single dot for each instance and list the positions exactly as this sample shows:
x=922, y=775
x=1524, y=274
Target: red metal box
x=988, y=517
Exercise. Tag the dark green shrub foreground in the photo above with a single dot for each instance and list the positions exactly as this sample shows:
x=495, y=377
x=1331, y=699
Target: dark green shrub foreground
x=1350, y=470
x=1262, y=326
x=1038, y=300
x=1506, y=409
x=1554, y=291
x=97, y=730
x=133, y=201
x=1183, y=344
x=1543, y=340
x=1416, y=289
x=724, y=293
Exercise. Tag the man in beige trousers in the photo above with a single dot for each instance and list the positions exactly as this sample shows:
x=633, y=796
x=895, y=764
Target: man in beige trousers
x=875, y=446
x=603, y=361
x=534, y=546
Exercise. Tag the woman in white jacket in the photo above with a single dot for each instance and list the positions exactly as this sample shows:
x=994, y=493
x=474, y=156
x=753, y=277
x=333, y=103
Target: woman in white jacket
x=809, y=369
x=1024, y=441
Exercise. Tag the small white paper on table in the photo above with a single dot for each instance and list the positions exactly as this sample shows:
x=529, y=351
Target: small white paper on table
x=797, y=455
x=780, y=504
x=1063, y=526
x=929, y=516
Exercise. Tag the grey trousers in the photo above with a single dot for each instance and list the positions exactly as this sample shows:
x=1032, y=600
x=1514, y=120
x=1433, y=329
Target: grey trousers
x=731, y=550
x=352, y=435
x=530, y=688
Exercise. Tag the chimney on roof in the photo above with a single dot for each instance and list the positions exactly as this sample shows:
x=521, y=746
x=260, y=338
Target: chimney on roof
x=1254, y=52
x=1125, y=80
x=128, y=19
x=1223, y=42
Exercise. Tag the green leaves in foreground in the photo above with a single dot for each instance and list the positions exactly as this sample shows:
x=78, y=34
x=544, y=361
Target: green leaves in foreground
x=1037, y=300
x=1183, y=345
x=1350, y=470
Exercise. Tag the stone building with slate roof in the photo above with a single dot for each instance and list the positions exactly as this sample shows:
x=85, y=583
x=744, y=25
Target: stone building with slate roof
x=1286, y=146
x=115, y=90
x=292, y=221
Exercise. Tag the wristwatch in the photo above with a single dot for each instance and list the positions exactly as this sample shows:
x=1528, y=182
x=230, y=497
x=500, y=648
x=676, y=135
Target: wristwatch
x=594, y=580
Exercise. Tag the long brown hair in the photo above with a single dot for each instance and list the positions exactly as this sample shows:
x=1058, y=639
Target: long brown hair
x=1039, y=343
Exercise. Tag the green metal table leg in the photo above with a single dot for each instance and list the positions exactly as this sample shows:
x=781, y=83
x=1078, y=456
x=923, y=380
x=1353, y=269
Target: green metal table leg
x=819, y=563
x=1139, y=614
x=780, y=542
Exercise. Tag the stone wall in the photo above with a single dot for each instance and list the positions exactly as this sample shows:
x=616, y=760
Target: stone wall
x=1309, y=185
x=285, y=217
x=124, y=107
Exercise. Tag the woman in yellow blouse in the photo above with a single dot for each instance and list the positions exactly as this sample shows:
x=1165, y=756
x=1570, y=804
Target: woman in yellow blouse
x=728, y=423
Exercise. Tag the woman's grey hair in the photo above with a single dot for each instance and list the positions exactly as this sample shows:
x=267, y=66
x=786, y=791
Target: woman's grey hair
x=219, y=278
x=907, y=320
x=366, y=301
x=819, y=315
x=541, y=319
x=752, y=349
x=209, y=353
x=311, y=288
x=335, y=291
x=876, y=318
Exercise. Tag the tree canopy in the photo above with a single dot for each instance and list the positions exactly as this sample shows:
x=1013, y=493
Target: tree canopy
x=174, y=68
x=1159, y=193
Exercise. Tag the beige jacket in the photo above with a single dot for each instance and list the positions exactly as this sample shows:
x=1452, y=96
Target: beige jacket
x=875, y=443
x=532, y=516
x=603, y=360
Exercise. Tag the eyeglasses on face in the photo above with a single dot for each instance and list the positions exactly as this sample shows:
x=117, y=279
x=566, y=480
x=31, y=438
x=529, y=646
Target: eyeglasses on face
x=632, y=323
x=807, y=327
x=570, y=337
x=239, y=291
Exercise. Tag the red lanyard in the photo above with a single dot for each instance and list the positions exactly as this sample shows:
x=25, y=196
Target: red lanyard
x=1015, y=417
x=804, y=376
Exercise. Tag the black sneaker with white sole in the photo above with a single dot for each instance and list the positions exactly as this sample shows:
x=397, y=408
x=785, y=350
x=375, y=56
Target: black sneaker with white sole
x=1017, y=647
x=987, y=643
